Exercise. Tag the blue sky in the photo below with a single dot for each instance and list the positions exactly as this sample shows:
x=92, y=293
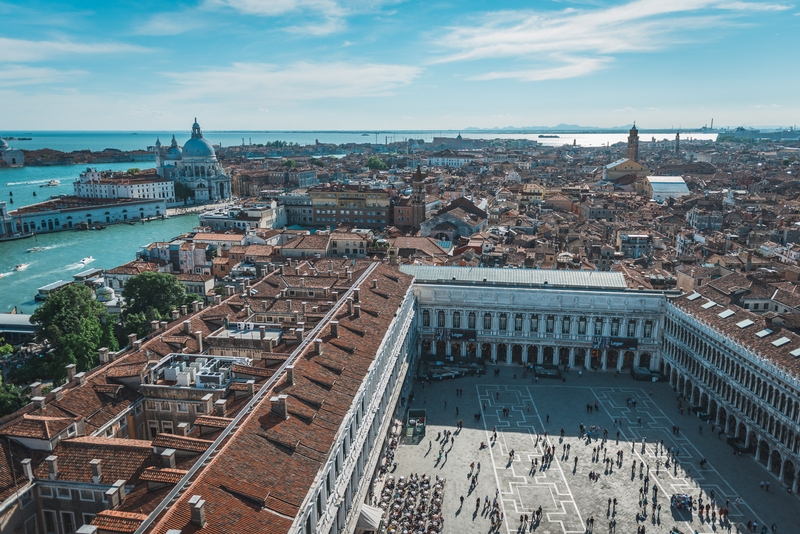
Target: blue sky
x=393, y=64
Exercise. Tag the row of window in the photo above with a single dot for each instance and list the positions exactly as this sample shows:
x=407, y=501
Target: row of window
x=180, y=407
x=60, y=492
x=63, y=523
x=549, y=323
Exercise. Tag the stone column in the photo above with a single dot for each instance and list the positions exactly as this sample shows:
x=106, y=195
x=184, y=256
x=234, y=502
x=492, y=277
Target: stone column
x=746, y=436
x=769, y=462
x=794, y=484
x=603, y=360
x=525, y=355
x=587, y=359
x=494, y=352
x=571, y=357
x=463, y=349
x=783, y=466
x=758, y=449
x=540, y=355
x=620, y=359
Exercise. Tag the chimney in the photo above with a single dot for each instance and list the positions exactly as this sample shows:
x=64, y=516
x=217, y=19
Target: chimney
x=36, y=389
x=207, y=398
x=137, y=345
x=175, y=315
x=304, y=306
x=198, y=336
x=335, y=296
x=297, y=270
x=103, y=355
x=251, y=387
x=90, y=529
x=243, y=288
x=184, y=310
x=357, y=311
x=300, y=333
x=187, y=326
x=357, y=294
x=318, y=346
x=217, y=300
x=97, y=470
x=168, y=458
x=163, y=325
x=749, y=265
x=183, y=429
x=349, y=275
x=153, y=326
x=27, y=469
x=198, y=506
x=131, y=339
x=58, y=393
x=195, y=306
x=220, y=408
x=269, y=345
x=52, y=466
x=115, y=494
x=374, y=283
x=81, y=378
x=290, y=374
x=289, y=305
x=39, y=402
x=279, y=406
x=262, y=332
x=349, y=305
x=335, y=328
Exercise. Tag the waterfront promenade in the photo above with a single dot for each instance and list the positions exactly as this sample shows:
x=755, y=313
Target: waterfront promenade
x=564, y=490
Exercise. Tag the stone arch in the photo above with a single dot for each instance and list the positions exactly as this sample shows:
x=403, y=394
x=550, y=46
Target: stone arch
x=695, y=396
x=549, y=356
x=763, y=451
x=628, y=359
x=775, y=462
x=533, y=354
x=486, y=351
x=455, y=350
x=426, y=346
x=612, y=357
x=644, y=360
x=472, y=350
x=580, y=357
x=502, y=352
x=789, y=472
x=741, y=432
x=517, y=354
x=441, y=348
x=563, y=356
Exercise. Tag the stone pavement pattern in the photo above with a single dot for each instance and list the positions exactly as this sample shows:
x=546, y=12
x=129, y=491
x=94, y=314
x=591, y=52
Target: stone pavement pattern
x=564, y=490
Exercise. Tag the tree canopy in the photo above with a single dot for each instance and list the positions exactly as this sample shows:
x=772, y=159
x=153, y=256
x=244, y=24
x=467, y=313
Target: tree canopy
x=374, y=162
x=151, y=296
x=75, y=325
x=289, y=163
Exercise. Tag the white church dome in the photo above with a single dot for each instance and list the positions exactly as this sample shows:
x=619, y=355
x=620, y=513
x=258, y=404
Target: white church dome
x=197, y=147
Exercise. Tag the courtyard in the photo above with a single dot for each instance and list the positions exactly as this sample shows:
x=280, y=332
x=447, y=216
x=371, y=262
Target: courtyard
x=645, y=415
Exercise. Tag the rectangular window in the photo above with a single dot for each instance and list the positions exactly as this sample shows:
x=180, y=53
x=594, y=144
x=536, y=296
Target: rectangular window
x=598, y=327
x=615, y=328
x=64, y=493
x=582, y=326
x=550, y=324
x=87, y=518
x=67, y=523
x=45, y=491
x=565, y=323
x=49, y=522
x=534, y=323
x=165, y=407
x=87, y=495
x=183, y=408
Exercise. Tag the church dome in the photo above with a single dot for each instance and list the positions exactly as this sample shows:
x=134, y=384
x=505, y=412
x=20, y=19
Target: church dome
x=3, y=144
x=174, y=152
x=197, y=147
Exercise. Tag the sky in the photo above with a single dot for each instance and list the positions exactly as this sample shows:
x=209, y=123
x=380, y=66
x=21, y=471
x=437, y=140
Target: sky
x=394, y=64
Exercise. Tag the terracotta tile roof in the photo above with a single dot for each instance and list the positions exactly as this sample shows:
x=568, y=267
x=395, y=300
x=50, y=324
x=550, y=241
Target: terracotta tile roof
x=123, y=459
x=212, y=421
x=252, y=371
x=239, y=386
x=37, y=426
x=163, y=476
x=116, y=521
x=181, y=443
x=125, y=371
x=237, y=478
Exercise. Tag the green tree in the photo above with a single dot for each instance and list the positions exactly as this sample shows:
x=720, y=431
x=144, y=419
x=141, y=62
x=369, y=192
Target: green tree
x=71, y=320
x=149, y=297
x=183, y=192
x=11, y=399
x=289, y=163
x=374, y=162
x=317, y=162
x=5, y=348
x=134, y=170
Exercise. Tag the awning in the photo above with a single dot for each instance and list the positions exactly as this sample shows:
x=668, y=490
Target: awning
x=370, y=517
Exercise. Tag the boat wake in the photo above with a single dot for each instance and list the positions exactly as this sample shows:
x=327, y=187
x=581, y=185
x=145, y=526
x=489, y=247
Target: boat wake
x=3, y=275
x=32, y=182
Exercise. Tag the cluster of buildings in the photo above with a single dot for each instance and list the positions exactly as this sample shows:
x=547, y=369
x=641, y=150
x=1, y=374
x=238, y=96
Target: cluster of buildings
x=268, y=404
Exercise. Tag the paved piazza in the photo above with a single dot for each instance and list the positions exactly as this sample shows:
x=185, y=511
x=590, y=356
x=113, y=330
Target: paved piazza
x=566, y=494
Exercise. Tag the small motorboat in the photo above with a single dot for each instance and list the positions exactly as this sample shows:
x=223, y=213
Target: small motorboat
x=51, y=183
x=21, y=266
x=36, y=249
x=87, y=259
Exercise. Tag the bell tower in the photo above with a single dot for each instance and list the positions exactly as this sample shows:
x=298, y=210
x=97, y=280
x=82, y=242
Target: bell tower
x=417, y=201
x=678, y=144
x=633, y=144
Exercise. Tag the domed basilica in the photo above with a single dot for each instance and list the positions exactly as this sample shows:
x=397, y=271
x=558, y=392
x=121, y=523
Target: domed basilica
x=195, y=165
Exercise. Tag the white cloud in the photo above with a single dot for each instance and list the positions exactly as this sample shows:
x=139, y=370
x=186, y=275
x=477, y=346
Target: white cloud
x=575, y=42
x=16, y=75
x=174, y=23
x=300, y=81
x=21, y=50
x=627, y=109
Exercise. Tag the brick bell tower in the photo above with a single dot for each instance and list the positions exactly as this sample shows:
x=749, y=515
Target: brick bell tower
x=417, y=201
x=633, y=144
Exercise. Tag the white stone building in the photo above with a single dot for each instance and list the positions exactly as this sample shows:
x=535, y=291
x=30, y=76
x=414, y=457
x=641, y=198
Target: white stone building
x=98, y=184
